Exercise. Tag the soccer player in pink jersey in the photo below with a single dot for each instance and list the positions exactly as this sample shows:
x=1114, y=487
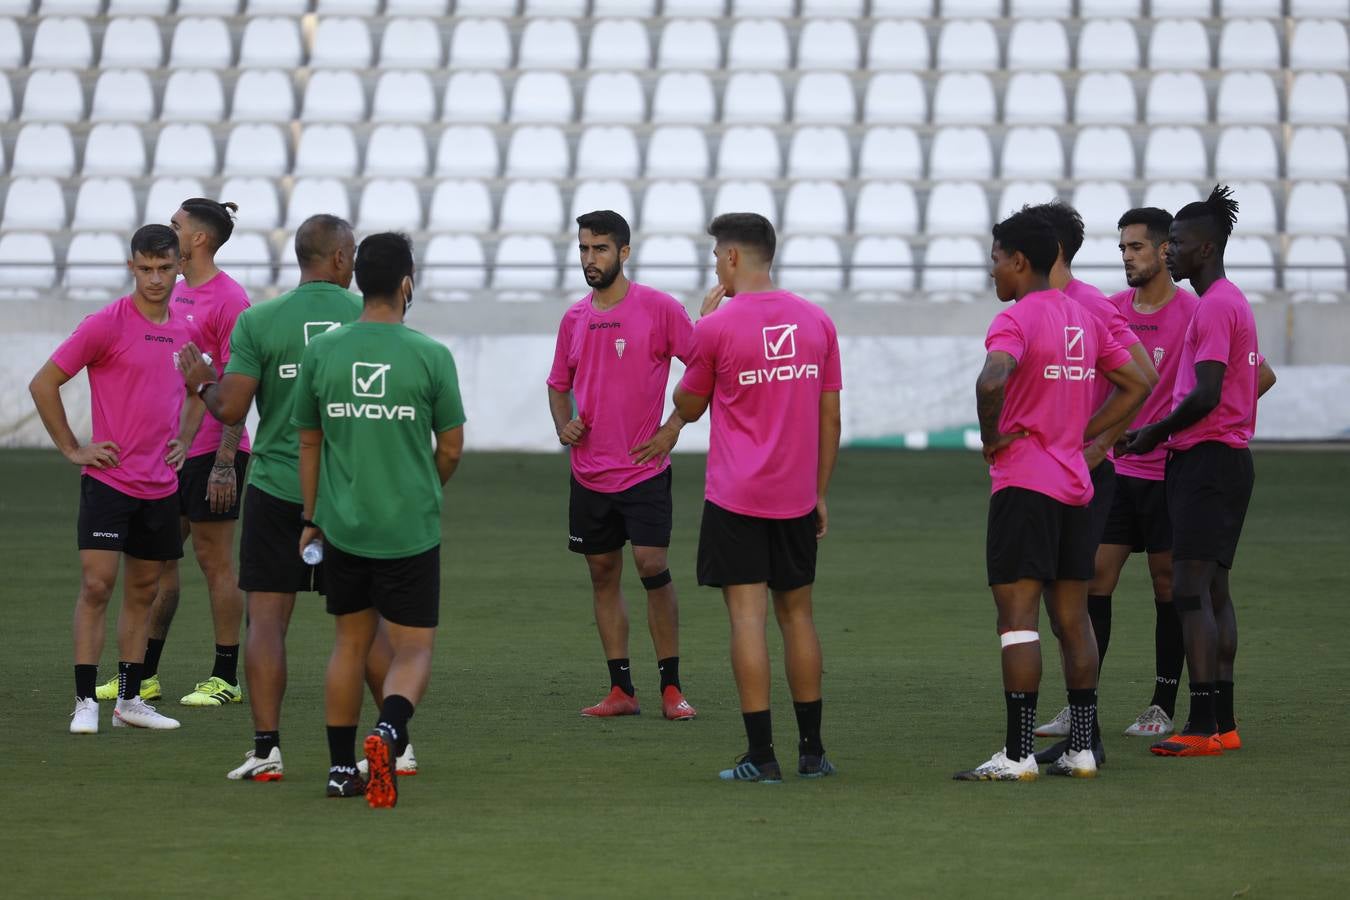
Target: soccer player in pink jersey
x=605, y=392
x=128, y=491
x=1037, y=410
x=1209, y=477
x=768, y=362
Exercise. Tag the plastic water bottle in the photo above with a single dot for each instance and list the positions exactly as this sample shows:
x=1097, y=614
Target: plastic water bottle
x=313, y=552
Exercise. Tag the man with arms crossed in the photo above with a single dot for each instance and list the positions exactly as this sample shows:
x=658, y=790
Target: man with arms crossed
x=613, y=359
x=128, y=492
x=1209, y=479
x=769, y=363
x=1035, y=401
x=371, y=397
x=267, y=344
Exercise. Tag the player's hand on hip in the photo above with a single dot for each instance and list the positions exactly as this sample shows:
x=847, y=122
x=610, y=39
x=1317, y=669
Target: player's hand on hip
x=193, y=366
x=220, y=487
x=713, y=299
x=998, y=442
x=176, y=454
x=657, y=449
x=572, y=433
x=99, y=454
x=822, y=518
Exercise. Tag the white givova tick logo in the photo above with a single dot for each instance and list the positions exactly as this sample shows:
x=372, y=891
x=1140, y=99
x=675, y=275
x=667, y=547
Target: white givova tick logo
x=314, y=329
x=780, y=341
x=1074, y=355
x=369, y=382
x=368, y=379
x=1073, y=342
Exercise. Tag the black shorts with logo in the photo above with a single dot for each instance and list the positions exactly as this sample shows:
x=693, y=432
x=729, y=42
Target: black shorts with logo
x=737, y=549
x=269, y=547
x=192, y=482
x=1103, y=494
x=1139, y=518
x=1031, y=535
x=1208, y=489
x=112, y=520
x=405, y=591
x=602, y=523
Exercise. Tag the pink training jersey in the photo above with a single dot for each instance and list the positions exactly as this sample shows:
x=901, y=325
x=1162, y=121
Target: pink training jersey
x=1162, y=333
x=213, y=308
x=1061, y=351
x=765, y=358
x=616, y=363
x=1106, y=312
x=135, y=390
x=1223, y=330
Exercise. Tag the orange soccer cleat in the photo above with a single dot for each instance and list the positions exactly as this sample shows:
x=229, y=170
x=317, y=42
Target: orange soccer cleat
x=1188, y=745
x=1229, y=740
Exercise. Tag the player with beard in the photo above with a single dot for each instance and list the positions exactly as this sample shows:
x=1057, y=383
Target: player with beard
x=606, y=391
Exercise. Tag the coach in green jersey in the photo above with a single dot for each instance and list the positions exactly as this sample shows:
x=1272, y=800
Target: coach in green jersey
x=371, y=398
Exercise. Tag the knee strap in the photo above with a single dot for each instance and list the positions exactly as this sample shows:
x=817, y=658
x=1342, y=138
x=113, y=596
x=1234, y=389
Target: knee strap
x=1010, y=638
x=659, y=580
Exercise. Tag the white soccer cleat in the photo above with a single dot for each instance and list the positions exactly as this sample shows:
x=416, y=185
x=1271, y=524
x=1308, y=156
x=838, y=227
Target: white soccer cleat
x=1075, y=765
x=84, y=720
x=1056, y=727
x=268, y=768
x=404, y=766
x=1000, y=768
x=139, y=714
x=1151, y=723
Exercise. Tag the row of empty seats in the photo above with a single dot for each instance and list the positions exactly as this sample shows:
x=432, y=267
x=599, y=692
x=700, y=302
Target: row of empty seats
x=59, y=95
x=555, y=43
x=537, y=205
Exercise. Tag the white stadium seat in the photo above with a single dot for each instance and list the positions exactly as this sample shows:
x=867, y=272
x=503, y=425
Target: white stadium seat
x=896, y=98
x=434, y=8
x=967, y=45
x=259, y=206
x=326, y=150
x=62, y=41
x=778, y=9
x=1314, y=207
x=831, y=8
x=1110, y=44
x=573, y=9
x=689, y=44
x=486, y=7
x=474, y=97
x=277, y=7
x=1249, y=44
x=48, y=150
x=538, y=151
x=105, y=204
x=886, y=207
x=311, y=196
x=673, y=206
x=815, y=207
x=1251, y=262
x=642, y=8
x=11, y=45
x=347, y=7
x=263, y=95
x=1319, y=44
x=6, y=109
x=957, y=207
x=1035, y=98
x=753, y=97
x=257, y=149
x=828, y=44
x=618, y=44
x=613, y=97
x=1192, y=9
x=201, y=43
x=696, y=8
x=1105, y=98
x=27, y=264
x=389, y=204
x=670, y=261
x=340, y=43
x=1100, y=203
x=954, y=266
x=530, y=205
x=676, y=151
x=960, y=153
x=1247, y=97
x=746, y=196
x=53, y=95
x=1057, y=9
x=1268, y=9
x=1307, y=9
x=396, y=150
x=1258, y=213
x=549, y=44
x=1175, y=153
x=963, y=98
x=1318, y=98
x=608, y=151
x=1017, y=194
x=131, y=43
x=1306, y=265
x=1098, y=263
x=1178, y=44
x=747, y=151
x=113, y=149
x=1032, y=153
x=467, y=151
x=1176, y=97
x=194, y=95
x=480, y=44
x=1317, y=153
x=1246, y=152
x=248, y=258
x=34, y=204
x=186, y=149
x=453, y=266
x=898, y=44
x=541, y=97
x=165, y=195
x=824, y=98
x=84, y=8
x=411, y=43
x=890, y=153
x=1170, y=195
x=881, y=266
x=403, y=97
x=524, y=263
x=684, y=98
x=333, y=95
x=805, y=265
x=460, y=205
x=602, y=193
x=817, y=152
x=270, y=43
x=96, y=266
x=970, y=9
x=1103, y=152
x=1107, y=9
x=125, y=95
x=1039, y=44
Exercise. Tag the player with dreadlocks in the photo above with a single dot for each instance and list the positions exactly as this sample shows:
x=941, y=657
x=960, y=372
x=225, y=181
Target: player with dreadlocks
x=1220, y=375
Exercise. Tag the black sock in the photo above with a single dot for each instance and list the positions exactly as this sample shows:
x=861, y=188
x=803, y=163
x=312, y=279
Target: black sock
x=341, y=747
x=86, y=682
x=808, y=728
x=759, y=735
x=670, y=672
x=227, y=663
x=394, y=716
x=1223, y=706
x=264, y=741
x=153, y=648
x=128, y=680
x=1082, y=718
x=1099, y=611
x=1169, y=655
x=1020, y=739
x=621, y=676
x=1202, y=709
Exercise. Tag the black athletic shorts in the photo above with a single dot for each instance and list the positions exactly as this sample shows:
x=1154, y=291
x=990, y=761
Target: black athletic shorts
x=1139, y=518
x=1208, y=489
x=112, y=520
x=192, y=479
x=737, y=549
x=602, y=523
x=405, y=591
x=1103, y=493
x=1031, y=535
x=269, y=547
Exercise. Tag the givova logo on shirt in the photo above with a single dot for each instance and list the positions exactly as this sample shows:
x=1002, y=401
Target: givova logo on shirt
x=1072, y=369
x=370, y=380
x=780, y=342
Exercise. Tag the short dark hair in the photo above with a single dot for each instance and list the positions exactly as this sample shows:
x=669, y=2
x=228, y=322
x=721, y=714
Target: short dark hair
x=1157, y=221
x=318, y=236
x=155, y=241
x=1219, y=208
x=1031, y=234
x=1068, y=225
x=607, y=221
x=218, y=217
x=748, y=229
x=382, y=262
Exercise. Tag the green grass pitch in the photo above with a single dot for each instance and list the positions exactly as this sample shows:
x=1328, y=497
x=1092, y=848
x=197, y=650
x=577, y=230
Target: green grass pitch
x=521, y=797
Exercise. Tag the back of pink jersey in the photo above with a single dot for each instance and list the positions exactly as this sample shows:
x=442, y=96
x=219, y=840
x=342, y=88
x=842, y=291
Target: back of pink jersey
x=1106, y=312
x=212, y=307
x=1061, y=351
x=135, y=391
x=765, y=358
x=1223, y=330
x=1162, y=333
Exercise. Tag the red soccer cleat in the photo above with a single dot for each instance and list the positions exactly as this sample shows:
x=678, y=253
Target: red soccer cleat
x=1188, y=745
x=674, y=707
x=1229, y=740
x=616, y=704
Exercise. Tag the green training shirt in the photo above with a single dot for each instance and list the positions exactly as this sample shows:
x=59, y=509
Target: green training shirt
x=378, y=391
x=267, y=343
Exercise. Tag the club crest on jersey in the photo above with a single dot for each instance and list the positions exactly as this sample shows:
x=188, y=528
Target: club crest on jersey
x=619, y=345
x=1158, y=353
